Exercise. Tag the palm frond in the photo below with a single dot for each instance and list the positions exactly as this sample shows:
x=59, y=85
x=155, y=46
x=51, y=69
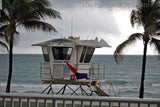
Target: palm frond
x=146, y=9
x=19, y=8
x=3, y=16
x=156, y=44
x=135, y=18
x=39, y=13
x=28, y=16
x=37, y=10
x=2, y=35
x=3, y=32
x=155, y=11
x=48, y=12
x=3, y=28
x=6, y=4
x=2, y=44
x=155, y=14
x=33, y=25
x=42, y=3
x=146, y=3
x=129, y=41
x=42, y=10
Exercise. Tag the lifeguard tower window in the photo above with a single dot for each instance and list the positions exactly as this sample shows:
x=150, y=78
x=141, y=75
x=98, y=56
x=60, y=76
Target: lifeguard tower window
x=86, y=55
x=45, y=54
x=89, y=54
x=62, y=53
x=82, y=55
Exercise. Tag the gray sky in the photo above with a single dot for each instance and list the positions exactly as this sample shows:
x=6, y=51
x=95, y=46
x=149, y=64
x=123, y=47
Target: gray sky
x=107, y=19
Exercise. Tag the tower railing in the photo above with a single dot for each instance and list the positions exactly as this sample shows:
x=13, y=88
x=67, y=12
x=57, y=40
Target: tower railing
x=96, y=71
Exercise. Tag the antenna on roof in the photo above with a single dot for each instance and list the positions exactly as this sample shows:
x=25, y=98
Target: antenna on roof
x=87, y=37
x=72, y=27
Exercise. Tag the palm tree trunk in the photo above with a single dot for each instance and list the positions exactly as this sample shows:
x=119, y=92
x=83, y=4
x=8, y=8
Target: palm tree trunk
x=141, y=92
x=10, y=66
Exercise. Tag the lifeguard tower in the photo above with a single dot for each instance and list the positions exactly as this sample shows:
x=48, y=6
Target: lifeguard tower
x=67, y=62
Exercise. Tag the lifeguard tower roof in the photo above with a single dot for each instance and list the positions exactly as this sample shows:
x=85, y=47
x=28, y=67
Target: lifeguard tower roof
x=65, y=41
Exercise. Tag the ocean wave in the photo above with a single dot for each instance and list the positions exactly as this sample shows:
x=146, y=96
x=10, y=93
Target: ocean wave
x=23, y=88
x=117, y=82
x=32, y=88
x=156, y=85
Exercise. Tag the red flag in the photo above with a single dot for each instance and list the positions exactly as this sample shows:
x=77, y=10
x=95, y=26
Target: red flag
x=78, y=75
x=71, y=68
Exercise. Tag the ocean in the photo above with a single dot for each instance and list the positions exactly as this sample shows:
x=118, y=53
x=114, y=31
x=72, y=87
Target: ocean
x=124, y=77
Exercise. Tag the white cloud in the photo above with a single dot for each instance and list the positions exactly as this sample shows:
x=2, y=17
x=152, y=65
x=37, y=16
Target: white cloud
x=87, y=21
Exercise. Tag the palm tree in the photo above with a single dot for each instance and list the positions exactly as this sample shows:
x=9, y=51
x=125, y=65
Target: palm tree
x=27, y=14
x=147, y=15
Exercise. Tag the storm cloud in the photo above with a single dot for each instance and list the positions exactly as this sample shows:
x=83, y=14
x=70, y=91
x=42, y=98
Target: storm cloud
x=89, y=19
x=86, y=20
x=94, y=3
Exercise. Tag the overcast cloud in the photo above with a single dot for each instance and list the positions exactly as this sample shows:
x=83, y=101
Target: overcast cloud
x=94, y=3
x=90, y=18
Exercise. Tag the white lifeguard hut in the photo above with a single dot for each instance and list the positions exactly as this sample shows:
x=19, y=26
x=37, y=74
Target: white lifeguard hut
x=62, y=56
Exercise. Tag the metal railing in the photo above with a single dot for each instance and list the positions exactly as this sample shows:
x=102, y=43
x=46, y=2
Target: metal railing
x=96, y=71
x=38, y=100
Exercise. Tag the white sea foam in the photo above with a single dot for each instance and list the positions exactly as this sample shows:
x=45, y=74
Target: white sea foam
x=156, y=85
x=33, y=88
x=22, y=88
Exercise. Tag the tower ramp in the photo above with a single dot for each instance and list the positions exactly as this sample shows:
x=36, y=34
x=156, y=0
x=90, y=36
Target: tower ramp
x=100, y=92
